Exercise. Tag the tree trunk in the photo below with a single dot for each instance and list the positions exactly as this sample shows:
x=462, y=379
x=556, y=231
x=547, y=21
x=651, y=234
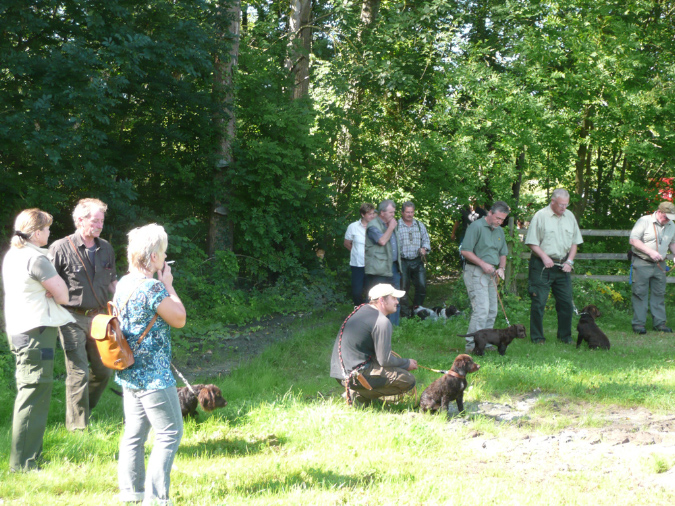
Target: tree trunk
x=300, y=46
x=580, y=172
x=221, y=227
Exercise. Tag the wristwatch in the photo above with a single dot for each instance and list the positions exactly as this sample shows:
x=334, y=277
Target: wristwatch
x=571, y=262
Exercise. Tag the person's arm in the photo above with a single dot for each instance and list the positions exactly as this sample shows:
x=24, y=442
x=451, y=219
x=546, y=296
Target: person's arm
x=348, y=244
x=425, y=242
x=382, y=342
x=567, y=267
x=502, y=266
x=473, y=258
x=384, y=239
x=454, y=230
x=57, y=289
x=171, y=309
x=652, y=253
x=548, y=263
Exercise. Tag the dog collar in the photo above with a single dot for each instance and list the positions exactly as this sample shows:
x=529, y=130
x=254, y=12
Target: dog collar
x=453, y=373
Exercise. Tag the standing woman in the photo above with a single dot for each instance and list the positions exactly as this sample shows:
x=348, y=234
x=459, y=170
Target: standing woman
x=355, y=242
x=150, y=396
x=33, y=292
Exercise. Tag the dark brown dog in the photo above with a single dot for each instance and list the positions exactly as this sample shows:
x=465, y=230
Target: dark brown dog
x=450, y=387
x=501, y=338
x=589, y=330
x=209, y=397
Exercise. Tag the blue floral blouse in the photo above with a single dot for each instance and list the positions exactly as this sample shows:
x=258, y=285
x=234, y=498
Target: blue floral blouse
x=152, y=367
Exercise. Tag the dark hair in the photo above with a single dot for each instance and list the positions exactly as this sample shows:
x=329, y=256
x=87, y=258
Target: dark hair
x=366, y=208
x=406, y=205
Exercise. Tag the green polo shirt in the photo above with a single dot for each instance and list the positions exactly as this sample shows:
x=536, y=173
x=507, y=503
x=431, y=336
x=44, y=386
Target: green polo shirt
x=554, y=234
x=486, y=243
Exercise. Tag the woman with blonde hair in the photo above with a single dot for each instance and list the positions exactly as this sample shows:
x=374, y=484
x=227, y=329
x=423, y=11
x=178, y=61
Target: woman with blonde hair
x=150, y=396
x=33, y=294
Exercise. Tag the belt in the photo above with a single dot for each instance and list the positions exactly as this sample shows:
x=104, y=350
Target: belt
x=413, y=258
x=86, y=312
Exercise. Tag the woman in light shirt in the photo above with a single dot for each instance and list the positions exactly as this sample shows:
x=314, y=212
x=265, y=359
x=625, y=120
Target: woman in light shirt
x=355, y=242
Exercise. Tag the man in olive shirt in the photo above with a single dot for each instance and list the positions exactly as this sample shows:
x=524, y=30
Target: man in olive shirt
x=651, y=238
x=553, y=237
x=484, y=248
x=87, y=265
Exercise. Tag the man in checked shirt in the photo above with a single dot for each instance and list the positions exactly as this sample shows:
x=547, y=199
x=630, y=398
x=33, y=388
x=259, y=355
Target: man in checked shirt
x=414, y=246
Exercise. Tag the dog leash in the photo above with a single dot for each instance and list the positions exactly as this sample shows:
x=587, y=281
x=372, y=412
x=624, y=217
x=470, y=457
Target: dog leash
x=187, y=383
x=421, y=366
x=494, y=281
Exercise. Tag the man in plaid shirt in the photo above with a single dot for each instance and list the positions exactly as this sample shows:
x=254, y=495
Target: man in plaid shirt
x=414, y=244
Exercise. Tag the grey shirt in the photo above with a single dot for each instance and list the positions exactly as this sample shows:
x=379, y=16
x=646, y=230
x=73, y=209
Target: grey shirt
x=366, y=337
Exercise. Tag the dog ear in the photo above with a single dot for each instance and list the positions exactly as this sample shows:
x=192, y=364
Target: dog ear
x=207, y=398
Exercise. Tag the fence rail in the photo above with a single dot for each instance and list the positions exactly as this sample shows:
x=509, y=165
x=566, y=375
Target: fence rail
x=580, y=256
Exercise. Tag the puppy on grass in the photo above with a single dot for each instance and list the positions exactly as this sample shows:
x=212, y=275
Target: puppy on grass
x=209, y=397
x=589, y=330
x=500, y=338
x=450, y=387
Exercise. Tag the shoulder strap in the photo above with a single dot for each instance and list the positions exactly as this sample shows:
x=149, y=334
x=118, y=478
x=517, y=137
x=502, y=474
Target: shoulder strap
x=84, y=266
x=154, y=318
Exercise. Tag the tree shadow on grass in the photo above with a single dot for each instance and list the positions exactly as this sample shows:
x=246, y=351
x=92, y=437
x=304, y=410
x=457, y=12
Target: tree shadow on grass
x=312, y=477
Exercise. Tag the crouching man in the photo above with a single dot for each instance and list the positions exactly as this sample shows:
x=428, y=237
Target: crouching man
x=362, y=359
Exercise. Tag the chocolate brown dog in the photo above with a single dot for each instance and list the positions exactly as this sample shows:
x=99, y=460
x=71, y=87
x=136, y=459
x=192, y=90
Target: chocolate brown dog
x=209, y=397
x=501, y=338
x=450, y=387
x=589, y=330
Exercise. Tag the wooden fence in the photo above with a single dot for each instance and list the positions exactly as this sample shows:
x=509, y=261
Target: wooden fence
x=580, y=256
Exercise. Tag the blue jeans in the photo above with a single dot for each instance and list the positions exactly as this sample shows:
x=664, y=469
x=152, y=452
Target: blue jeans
x=143, y=409
x=358, y=283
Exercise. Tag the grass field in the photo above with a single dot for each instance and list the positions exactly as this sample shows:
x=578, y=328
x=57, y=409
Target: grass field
x=286, y=437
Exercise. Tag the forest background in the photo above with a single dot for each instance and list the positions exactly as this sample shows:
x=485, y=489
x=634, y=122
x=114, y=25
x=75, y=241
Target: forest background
x=253, y=130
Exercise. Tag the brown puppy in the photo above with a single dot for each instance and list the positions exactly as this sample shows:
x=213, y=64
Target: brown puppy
x=209, y=397
x=501, y=338
x=589, y=330
x=450, y=387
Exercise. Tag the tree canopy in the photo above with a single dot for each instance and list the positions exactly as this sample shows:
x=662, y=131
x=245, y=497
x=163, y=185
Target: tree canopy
x=280, y=118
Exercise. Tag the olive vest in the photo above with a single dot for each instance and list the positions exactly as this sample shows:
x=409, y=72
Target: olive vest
x=379, y=258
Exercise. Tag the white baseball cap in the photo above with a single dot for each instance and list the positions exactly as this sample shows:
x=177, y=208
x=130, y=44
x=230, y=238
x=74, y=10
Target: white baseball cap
x=384, y=289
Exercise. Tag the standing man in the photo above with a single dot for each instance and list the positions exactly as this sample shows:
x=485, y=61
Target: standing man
x=553, y=237
x=355, y=242
x=651, y=238
x=383, y=256
x=87, y=265
x=415, y=245
x=362, y=359
x=484, y=248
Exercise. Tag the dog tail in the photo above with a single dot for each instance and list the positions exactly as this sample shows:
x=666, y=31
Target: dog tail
x=473, y=334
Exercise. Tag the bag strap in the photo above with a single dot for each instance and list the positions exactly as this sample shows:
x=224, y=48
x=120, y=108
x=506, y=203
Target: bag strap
x=154, y=318
x=91, y=285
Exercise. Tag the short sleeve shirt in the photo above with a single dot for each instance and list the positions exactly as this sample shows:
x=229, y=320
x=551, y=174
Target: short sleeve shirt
x=356, y=233
x=41, y=269
x=654, y=235
x=554, y=234
x=152, y=366
x=486, y=243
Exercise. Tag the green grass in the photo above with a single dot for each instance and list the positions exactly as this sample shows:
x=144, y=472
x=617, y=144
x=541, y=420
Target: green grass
x=287, y=438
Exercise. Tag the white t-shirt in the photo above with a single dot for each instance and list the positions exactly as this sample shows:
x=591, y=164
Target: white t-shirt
x=356, y=233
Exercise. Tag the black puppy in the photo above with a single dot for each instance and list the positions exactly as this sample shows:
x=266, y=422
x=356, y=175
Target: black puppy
x=589, y=330
x=501, y=338
x=450, y=387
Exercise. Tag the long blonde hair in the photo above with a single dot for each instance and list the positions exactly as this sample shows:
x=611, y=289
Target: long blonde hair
x=27, y=223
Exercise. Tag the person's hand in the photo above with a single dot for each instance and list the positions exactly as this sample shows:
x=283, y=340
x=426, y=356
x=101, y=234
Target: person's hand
x=654, y=255
x=548, y=262
x=500, y=272
x=487, y=268
x=413, y=364
x=423, y=252
x=165, y=275
x=566, y=267
x=392, y=224
x=49, y=295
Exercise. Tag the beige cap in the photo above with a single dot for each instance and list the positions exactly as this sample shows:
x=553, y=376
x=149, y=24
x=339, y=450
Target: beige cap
x=668, y=209
x=382, y=290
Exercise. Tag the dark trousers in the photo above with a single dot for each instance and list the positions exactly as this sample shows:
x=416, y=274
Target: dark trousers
x=413, y=273
x=358, y=284
x=395, y=281
x=541, y=281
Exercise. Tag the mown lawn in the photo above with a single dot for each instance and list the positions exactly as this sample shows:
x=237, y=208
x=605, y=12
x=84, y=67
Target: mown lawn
x=286, y=437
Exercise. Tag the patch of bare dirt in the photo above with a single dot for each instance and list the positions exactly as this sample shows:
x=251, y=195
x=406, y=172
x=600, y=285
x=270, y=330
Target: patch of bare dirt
x=563, y=438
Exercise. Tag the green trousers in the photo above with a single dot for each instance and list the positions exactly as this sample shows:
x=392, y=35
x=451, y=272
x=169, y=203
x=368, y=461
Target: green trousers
x=541, y=281
x=34, y=354
x=649, y=284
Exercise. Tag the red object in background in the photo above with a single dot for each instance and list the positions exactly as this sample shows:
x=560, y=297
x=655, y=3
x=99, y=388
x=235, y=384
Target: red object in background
x=665, y=188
